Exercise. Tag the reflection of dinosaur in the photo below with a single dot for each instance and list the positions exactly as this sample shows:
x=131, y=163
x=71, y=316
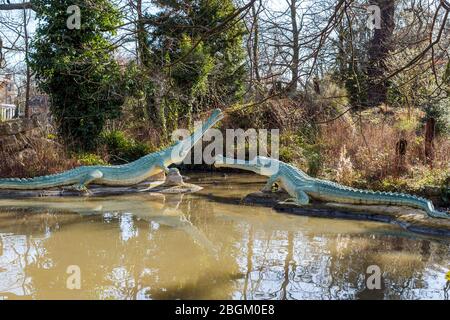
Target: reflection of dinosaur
x=301, y=187
x=166, y=212
x=123, y=175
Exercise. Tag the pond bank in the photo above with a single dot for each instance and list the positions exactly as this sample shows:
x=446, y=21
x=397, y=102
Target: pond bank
x=413, y=220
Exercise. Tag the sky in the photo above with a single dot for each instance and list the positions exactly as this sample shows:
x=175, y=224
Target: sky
x=15, y=59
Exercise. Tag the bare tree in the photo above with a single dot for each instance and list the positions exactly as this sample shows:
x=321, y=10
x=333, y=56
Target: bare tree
x=291, y=45
x=379, y=48
x=28, y=69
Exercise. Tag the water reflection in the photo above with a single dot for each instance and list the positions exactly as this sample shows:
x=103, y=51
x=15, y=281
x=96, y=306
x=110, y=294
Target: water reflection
x=167, y=247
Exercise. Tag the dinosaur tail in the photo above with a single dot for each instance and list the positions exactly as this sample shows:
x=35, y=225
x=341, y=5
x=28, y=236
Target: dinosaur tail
x=402, y=199
x=43, y=182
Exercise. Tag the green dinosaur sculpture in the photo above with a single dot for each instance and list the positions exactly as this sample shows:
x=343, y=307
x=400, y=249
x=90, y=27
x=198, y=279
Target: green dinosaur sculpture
x=301, y=187
x=122, y=175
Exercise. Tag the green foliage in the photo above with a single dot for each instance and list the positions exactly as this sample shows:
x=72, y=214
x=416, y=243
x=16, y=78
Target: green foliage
x=351, y=61
x=76, y=68
x=356, y=85
x=51, y=136
x=122, y=149
x=421, y=179
x=202, y=67
x=429, y=177
x=407, y=123
x=141, y=91
x=193, y=72
x=447, y=76
x=441, y=112
x=312, y=153
x=90, y=159
x=330, y=100
x=302, y=148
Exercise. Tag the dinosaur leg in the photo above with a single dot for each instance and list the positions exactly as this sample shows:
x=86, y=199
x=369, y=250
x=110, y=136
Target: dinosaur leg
x=301, y=198
x=164, y=168
x=269, y=184
x=88, y=178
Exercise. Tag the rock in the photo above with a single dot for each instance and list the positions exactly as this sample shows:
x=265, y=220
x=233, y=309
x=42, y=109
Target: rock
x=176, y=189
x=174, y=178
x=174, y=184
x=431, y=191
x=265, y=198
x=14, y=134
x=10, y=144
x=158, y=177
x=26, y=155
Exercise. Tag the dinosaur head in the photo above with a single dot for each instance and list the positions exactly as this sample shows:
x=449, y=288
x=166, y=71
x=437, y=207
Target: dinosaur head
x=259, y=165
x=181, y=149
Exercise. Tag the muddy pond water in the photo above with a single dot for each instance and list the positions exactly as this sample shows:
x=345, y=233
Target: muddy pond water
x=207, y=246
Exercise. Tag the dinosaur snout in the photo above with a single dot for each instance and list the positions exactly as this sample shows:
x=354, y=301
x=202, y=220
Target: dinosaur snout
x=219, y=161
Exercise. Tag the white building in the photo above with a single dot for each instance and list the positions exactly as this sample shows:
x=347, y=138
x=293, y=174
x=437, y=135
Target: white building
x=7, y=111
x=8, y=96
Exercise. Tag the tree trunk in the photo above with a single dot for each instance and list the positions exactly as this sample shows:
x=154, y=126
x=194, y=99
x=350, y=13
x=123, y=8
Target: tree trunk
x=295, y=46
x=429, y=141
x=255, y=44
x=400, y=156
x=28, y=70
x=378, y=52
x=1, y=52
x=142, y=46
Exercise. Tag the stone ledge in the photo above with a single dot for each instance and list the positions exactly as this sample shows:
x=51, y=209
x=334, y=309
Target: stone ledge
x=413, y=220
x=16, y=126
x=101, y=191
x=15, y=133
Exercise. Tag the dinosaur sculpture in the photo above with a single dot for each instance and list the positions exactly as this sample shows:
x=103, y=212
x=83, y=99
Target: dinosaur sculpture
x=121, y=175
x=301, y=187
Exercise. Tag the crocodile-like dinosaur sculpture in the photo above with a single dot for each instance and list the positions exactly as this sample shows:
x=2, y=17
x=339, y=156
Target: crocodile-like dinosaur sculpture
x=121, y=175
x=301, y=187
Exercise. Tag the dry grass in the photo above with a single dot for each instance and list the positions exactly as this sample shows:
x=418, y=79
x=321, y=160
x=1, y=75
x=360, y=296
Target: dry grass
x=366, y=149
x=42, y=157
x=355, y=149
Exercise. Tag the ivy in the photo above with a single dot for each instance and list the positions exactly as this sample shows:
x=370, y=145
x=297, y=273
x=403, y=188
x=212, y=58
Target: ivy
x=76, y=69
